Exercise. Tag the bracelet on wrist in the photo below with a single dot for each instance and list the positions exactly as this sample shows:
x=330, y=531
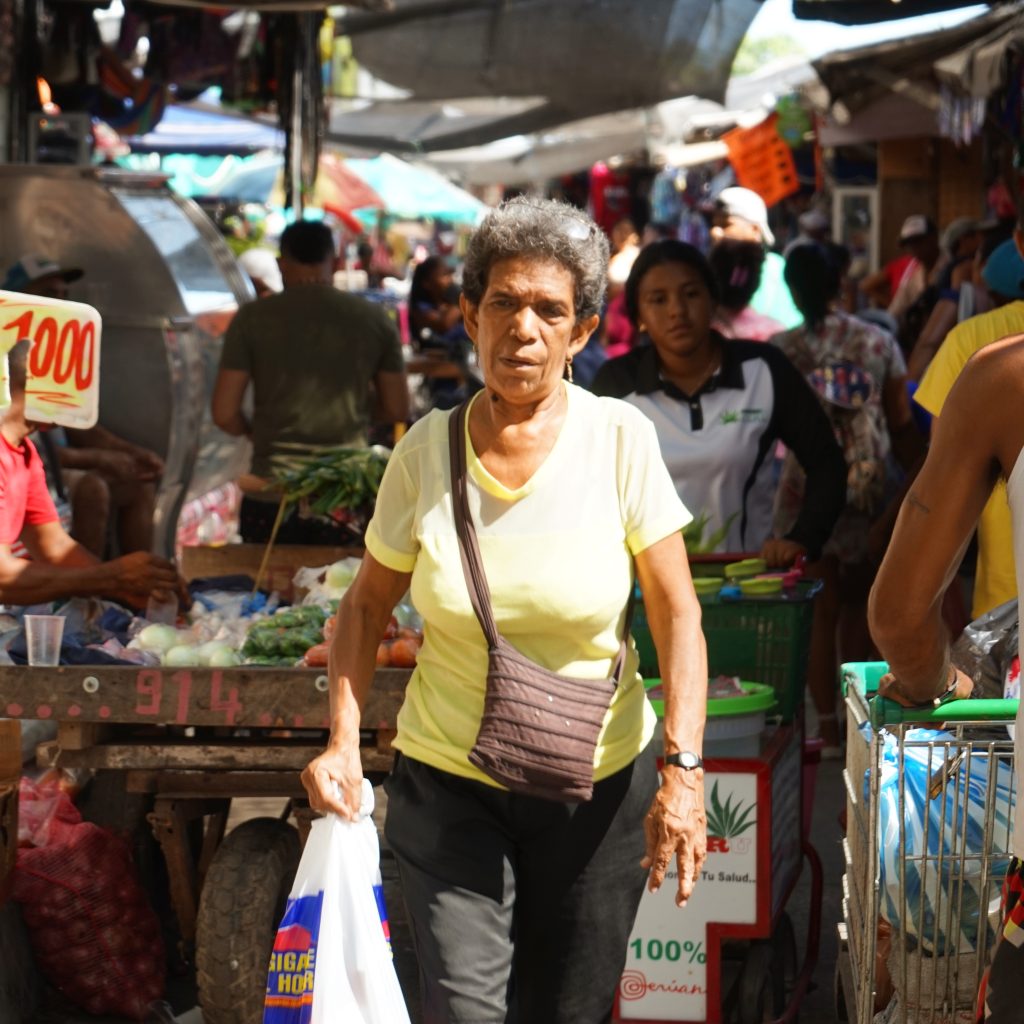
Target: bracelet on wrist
x=944, y=696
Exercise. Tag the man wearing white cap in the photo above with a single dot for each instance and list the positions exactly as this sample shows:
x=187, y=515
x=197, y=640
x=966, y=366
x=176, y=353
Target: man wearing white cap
x=741, y=214
x=919, y=238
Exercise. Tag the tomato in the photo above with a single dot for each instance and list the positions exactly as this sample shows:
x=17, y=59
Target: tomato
x=404, y=651
x=316, y=657
x=384, y=655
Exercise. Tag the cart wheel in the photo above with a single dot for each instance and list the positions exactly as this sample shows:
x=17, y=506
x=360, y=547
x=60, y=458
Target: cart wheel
x=753, y=989
x=240, y=907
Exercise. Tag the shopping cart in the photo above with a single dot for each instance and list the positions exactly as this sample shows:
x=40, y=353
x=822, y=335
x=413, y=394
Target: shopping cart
x=930, y=797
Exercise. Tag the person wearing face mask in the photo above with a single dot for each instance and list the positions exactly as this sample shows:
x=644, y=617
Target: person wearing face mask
x=517, y=520
x=719, y=405
x=741, y=215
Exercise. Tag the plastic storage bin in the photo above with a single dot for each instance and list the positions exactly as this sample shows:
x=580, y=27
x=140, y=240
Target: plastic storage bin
x=761, y=638
x=734, y=724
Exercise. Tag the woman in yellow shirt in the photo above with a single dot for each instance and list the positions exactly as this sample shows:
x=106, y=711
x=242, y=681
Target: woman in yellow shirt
x=521, y=905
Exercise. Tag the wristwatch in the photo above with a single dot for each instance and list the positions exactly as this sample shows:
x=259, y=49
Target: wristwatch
x=685, y=759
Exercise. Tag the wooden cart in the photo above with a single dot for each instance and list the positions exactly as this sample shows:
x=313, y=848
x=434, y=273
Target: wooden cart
x=170, y=749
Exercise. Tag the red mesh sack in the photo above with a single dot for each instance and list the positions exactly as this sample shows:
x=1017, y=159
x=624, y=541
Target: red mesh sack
x=90, y=925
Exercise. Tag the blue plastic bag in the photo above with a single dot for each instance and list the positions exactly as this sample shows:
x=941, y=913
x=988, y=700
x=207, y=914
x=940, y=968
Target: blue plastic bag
x=942, y=893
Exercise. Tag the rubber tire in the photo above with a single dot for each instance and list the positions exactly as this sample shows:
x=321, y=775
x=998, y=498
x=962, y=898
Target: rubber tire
x=240, y=907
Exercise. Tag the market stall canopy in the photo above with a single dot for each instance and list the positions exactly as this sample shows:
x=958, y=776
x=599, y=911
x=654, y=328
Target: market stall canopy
x=862, y=77
x=868, y=12
x=659, y=132
x=979, y=68
x=579, y=58
x=416, y=125
x=412, y=192
x=185, y=129
x=260, y=180
x=575, y=146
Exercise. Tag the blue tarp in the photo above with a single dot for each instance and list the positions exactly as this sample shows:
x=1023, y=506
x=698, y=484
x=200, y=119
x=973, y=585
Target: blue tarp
x=188, y=130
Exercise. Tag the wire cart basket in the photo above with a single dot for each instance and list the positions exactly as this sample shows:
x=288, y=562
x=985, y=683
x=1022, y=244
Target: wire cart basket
x=929, y=805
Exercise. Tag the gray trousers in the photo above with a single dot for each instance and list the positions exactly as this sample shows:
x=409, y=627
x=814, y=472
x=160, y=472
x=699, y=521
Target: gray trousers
x=521, y=908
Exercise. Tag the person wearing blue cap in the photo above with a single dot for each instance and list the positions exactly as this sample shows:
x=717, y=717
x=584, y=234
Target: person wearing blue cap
x=1003, y=276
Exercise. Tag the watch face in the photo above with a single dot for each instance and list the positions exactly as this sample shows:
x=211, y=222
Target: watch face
x=685, y=759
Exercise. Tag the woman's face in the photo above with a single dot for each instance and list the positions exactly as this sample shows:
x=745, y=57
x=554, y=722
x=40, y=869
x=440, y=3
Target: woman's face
x=525, y=327
x=675, y=309
x=441, y=281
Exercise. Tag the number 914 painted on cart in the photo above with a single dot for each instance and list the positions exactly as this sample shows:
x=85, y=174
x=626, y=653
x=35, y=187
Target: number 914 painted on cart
x=64, y=364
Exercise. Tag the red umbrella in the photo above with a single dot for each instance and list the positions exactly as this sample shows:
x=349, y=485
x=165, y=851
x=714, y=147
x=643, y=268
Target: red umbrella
x=339, y=191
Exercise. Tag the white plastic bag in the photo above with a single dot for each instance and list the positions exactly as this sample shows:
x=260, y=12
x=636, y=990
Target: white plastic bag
x=332, y=956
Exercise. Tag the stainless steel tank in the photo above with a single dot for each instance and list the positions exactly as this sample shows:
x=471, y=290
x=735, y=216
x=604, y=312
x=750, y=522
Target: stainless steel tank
x=166, y=285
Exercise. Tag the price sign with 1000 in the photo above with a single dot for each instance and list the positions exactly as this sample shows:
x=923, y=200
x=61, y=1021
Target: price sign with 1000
x=63, y=367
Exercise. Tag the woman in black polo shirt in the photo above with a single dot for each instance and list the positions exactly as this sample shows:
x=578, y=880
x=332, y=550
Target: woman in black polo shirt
x=720, y=406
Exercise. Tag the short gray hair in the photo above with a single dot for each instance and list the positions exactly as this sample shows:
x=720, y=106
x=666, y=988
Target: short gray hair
x=547, y=229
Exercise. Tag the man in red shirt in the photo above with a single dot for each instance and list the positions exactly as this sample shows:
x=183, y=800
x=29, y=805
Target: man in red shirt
x=60, y=566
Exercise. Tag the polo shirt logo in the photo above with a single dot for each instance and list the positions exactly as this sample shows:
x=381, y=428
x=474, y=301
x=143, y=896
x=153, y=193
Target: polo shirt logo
x=741, y=416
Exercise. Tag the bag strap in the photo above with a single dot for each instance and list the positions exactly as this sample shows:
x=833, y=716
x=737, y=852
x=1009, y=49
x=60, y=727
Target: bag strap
x=469, y=548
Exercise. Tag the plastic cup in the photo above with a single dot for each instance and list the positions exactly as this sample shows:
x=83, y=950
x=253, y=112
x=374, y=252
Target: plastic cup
x=44, y=634
x=162, y=609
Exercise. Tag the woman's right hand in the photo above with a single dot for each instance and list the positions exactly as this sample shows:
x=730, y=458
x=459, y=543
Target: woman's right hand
x=333, y=781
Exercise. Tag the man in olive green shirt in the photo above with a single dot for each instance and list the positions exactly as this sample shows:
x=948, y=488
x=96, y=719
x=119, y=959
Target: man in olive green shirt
x=312, y=354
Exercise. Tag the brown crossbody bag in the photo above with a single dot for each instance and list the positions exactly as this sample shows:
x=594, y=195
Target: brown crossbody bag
x=539, y=728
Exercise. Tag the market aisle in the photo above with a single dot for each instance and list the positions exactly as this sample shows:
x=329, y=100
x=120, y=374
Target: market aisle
x=818, y=1007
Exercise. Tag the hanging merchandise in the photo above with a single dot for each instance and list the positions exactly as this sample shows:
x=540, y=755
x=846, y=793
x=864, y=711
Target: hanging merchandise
x=666, y=197
x=762, y=161
x=130, y=105
x=794, y=121
x=610, y=200
x=960, y=118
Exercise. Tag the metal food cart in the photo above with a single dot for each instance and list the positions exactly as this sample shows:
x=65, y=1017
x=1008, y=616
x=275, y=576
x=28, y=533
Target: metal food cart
x=170, y=748
x=166, y=285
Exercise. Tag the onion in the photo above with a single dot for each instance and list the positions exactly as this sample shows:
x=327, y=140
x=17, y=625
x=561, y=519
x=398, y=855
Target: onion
x=157, y=638
x=182, y=656
x=340, y=575
x=224, y=658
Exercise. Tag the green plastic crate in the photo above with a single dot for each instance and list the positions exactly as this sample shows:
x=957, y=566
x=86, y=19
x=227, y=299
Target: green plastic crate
x=760, y=639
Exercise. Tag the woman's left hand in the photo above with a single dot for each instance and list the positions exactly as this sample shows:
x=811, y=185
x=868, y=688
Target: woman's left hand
x=677, y=825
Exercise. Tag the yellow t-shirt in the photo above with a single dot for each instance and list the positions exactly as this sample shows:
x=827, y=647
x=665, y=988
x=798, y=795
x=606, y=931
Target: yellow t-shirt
x=996, y=581
x=557, y=556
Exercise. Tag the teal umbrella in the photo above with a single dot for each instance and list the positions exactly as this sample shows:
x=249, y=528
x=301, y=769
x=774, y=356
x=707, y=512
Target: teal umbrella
x=411, y=192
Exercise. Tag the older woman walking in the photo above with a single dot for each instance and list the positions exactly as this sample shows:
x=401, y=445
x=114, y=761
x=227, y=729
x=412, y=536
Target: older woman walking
x=524, y=837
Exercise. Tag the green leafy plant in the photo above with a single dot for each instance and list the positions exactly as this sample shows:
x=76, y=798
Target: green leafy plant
x=693, y=534
x=727, y=821
x=339, y=478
